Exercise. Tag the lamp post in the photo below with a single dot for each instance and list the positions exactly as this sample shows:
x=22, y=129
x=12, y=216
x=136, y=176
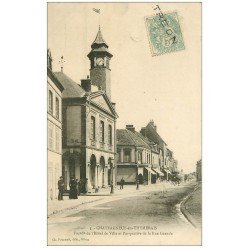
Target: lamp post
x=112, y=175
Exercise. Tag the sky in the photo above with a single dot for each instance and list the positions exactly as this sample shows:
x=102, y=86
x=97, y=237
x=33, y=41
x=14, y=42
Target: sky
x=164, y=88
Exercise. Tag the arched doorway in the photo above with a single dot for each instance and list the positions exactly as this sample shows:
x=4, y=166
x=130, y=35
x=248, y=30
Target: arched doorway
x=102, y=171
x=92, y=170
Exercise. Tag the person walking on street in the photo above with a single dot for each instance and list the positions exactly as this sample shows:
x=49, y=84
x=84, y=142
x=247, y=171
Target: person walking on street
x=122, y=182
x=60, y=188
x=137, y=183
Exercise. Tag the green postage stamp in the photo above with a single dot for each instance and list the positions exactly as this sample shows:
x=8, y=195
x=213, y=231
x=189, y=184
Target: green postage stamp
x=164, y=33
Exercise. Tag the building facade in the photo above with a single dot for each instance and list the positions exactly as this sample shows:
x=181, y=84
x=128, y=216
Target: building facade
x=54, y=127
x=89, y=123
x=134, y=157
x=150, y=131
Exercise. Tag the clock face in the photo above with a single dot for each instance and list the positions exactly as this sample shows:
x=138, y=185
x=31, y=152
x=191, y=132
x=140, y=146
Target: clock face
x=100, y=61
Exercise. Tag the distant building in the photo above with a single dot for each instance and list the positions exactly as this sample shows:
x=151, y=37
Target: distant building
x=89, y=122
x=165, y=155
x=134, y=157
x=199, y=170
x=54, y=124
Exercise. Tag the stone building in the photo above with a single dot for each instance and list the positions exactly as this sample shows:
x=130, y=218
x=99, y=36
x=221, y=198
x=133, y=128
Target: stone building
x=150, y=131
x=89, y=122
x=134, y=157
x=54, y=125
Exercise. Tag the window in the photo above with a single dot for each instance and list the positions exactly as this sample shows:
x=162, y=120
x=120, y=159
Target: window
x=118, y=155
x=127, y=157
x=57, y=140
x=50, y=133
x=50, y=102
x=110, y=135
x=102, y=131
x=149, y=158
x=57, y=108
x=140, y=156
x=92, y=136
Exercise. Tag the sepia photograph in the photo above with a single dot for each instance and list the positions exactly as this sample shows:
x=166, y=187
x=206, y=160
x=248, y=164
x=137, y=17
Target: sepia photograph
x=124, y=160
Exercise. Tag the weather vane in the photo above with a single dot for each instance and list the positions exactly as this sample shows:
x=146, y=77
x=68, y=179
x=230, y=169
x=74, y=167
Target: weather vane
x=61, y=62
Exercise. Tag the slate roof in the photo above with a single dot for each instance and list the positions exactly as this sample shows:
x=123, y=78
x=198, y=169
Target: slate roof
x=99, y=46
x=126, y=137
x=150, y=143
x=53, y=77
x=99, y=39
x=153, y=135
x=71, y=88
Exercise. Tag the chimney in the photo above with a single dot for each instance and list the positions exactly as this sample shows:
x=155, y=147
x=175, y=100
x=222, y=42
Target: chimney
x=130, y=127
x=86, y=84
x=153, y=124
x=143, y=132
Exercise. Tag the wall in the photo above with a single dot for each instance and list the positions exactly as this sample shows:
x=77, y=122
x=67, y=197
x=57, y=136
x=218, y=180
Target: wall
x=101, y=77
x=54, y=142
x=73, y=128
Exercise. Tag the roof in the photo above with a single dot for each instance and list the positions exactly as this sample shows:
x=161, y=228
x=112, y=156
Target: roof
x=126, y=137
x=146, y=140
x=53, y=77
x=153, y=135
x=71, y=88
x=99, y=46
x=99, y=39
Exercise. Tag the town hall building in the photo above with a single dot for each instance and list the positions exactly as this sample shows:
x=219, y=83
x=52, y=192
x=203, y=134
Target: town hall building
x=89, y=122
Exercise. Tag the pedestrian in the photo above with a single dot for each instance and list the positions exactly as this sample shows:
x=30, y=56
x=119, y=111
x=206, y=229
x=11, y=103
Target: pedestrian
x=78, y=187
x=137, y=183
x=73, y=189
x=60, y=188
x=122, y=182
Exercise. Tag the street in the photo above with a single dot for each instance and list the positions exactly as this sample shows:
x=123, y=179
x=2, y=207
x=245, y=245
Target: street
x=154, y=212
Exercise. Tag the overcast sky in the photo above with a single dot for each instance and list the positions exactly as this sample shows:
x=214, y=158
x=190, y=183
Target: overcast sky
x=165, y=88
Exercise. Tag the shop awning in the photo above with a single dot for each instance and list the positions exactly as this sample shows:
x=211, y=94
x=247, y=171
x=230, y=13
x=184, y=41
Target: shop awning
x=150, y=170
x=166, y=171
x=158, y=172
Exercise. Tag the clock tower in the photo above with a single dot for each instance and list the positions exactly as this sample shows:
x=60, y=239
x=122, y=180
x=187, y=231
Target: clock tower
x=99, y=57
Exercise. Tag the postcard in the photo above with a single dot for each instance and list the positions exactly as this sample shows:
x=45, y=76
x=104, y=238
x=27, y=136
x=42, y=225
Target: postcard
x=124, y=124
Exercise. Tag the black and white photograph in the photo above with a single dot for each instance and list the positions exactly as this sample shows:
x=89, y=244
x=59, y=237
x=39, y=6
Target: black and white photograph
x=124, y=124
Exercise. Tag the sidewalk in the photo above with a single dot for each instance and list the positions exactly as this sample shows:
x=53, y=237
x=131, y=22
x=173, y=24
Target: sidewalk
x=191, y=207
x=55, y=206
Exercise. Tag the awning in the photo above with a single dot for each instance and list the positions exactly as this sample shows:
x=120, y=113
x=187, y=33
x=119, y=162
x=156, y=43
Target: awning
x=158, y=172
x=167, y=171
x=150, y=170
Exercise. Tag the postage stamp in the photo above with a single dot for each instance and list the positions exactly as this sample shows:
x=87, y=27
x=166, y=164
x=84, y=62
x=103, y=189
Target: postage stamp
x=164, y=33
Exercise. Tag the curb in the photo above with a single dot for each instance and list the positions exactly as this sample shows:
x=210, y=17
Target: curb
x=185, y=212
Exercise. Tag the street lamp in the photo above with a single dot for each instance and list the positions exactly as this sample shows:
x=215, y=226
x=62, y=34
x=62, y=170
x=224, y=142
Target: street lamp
x=111, y=162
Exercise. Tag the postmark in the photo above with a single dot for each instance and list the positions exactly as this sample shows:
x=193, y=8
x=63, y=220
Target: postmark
x=164, y=33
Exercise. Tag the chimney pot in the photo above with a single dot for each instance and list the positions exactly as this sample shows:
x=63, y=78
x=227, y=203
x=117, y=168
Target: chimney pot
x=86, y=84
x=130, y=127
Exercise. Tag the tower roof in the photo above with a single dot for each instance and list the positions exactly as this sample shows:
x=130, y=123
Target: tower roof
x=99, y=46
x=99, y=40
